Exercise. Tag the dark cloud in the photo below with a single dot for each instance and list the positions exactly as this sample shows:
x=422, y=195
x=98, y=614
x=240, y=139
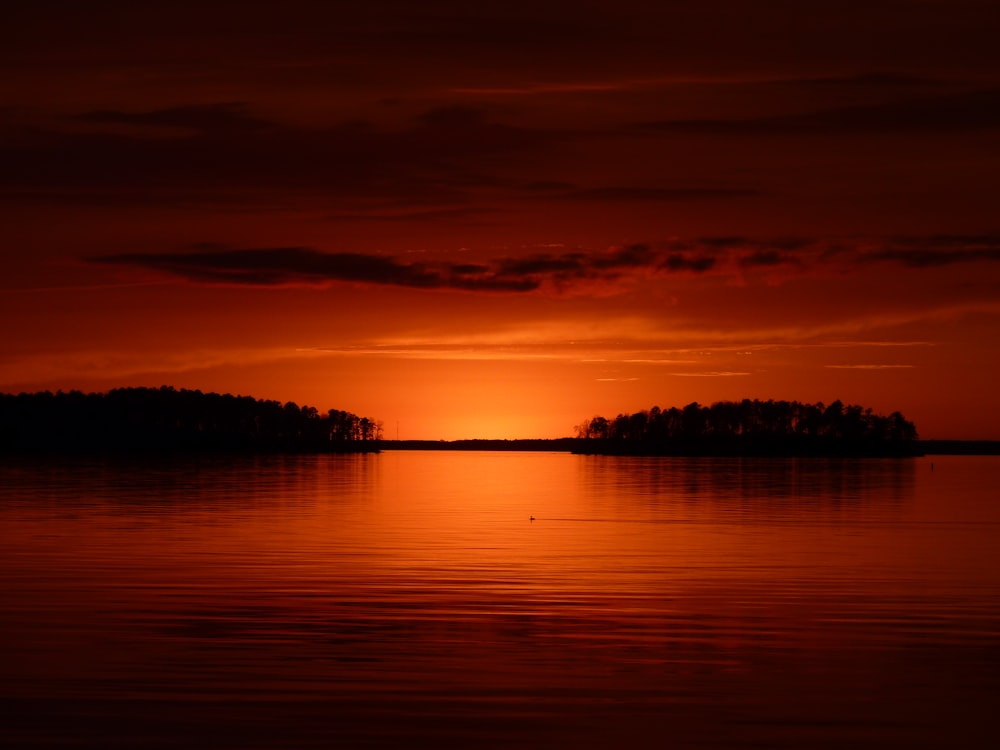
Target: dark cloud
x=616, y=262
x=976, y=110
x=453, y=118
x=704, y=254
x=290, y=266
x=548, y=186
x=627, y=256
x=461, y=214
x=937, y=250
x=293, y=266
x=678, y=262
x=391, y=42
x=763, y=258
x=565, y=265
x=277, y=266
x=632, y=194
x=912, y=252
x=872, y=79
x=564, y=191
x=224, y=118
x=451, y=132
x=916, y=258
x=790, y=243
x=219, y=150
x=718, y=243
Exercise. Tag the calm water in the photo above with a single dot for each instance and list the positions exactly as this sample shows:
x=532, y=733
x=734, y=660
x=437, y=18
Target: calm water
x=406, y=600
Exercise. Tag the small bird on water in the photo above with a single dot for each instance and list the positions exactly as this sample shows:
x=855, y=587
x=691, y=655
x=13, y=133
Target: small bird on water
x=532, y=518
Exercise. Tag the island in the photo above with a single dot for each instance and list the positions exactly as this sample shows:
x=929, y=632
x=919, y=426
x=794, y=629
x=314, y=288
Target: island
x=751, y=428
x=168, y=419
x=165, y=419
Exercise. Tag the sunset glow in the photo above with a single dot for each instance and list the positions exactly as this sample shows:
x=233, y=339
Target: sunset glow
x=498, y=222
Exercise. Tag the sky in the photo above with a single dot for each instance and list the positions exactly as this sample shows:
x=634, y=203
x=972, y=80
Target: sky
x=500, y=219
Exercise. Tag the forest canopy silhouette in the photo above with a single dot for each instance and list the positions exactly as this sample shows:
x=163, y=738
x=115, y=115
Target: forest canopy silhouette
x=752, y=427
x=169, y=419
x=165, y=419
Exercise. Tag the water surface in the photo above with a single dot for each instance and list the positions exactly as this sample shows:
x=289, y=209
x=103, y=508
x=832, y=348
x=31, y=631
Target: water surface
x=407, y=599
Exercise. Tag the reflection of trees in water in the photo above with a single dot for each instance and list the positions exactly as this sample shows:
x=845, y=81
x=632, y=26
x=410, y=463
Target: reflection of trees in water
x=761, y=485
x=171, y=482
x=165, y=418
x=752, y=427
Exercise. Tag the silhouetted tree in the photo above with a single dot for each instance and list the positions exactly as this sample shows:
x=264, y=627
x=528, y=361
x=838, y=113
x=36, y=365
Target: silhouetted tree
x=169, y=419
x=752, y=427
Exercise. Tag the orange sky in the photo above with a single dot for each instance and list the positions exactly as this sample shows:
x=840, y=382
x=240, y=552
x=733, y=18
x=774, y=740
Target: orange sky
x=498, y=220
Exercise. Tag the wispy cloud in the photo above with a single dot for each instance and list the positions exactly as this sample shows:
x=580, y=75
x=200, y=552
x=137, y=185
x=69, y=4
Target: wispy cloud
x=541, y=88
x=875, y=79
x=766, y=258
x=937, y=250
x=457, y=352
x=464, y=214
x=531, y=343
x=225, y=149
x=227, y=118
x=869, y=367
x=644, y=194
x=944, y=113
x=110, y=364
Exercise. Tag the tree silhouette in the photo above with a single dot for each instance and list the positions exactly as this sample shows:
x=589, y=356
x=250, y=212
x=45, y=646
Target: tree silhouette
x=752, y=427
x=165, y=419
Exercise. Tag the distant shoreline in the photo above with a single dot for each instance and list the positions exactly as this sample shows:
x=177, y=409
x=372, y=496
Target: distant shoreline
x=961, y=447
x=165, y=420
x=537, y=445
x=579, y=445
x=550, y=445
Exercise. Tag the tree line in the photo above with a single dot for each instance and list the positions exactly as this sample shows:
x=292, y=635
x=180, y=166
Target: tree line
x=752, y=427
x=130, y=419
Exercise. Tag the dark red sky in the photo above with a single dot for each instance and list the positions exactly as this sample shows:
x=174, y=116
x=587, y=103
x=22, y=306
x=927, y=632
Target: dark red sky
x=499, y=219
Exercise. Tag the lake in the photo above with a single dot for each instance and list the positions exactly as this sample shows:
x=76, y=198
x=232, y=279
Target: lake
x=407, y=599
